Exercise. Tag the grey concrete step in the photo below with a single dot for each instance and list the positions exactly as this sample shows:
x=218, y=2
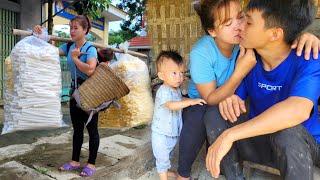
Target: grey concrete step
x=14, y=170
x=121, y=155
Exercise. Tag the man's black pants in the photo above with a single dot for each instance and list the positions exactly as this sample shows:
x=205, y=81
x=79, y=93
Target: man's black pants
x=293, y=151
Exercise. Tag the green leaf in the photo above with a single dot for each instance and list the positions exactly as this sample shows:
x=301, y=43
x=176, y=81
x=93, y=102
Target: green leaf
x=92, y=8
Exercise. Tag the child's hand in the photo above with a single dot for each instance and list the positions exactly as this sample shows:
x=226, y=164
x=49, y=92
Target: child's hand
x=193, y=102
x=186, y=102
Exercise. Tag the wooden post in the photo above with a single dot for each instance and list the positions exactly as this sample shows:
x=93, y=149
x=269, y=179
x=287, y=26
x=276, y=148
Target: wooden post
x=50, y=19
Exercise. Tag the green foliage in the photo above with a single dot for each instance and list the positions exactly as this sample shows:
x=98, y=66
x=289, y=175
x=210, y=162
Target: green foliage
x=42, y=170
x=91, y=37
x=62, y=34
x=135, y=10
x=91, y=8
x=120, y=36
x=115, y=38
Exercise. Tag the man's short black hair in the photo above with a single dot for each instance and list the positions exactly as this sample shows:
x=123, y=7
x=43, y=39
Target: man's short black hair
x=169, y=54
x=293, y=16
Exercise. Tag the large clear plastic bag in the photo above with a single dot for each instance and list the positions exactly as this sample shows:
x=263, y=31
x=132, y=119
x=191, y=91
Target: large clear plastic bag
x=136, y=107
x=33, y=87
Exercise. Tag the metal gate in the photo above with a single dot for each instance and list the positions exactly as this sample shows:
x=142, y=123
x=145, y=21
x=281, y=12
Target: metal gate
x=8, y=21
x=66, y=80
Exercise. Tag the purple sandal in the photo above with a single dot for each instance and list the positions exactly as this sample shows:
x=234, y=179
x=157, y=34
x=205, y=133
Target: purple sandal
x=87, y=171
x=68, y=167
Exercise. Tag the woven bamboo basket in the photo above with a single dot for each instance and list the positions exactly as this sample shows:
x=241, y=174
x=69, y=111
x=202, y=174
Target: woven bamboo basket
x=102, y=86
x=317, y=3
x=172, y=25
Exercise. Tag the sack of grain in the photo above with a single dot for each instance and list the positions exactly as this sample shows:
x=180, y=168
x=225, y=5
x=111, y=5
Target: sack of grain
x=136, y=107
x=33, y=87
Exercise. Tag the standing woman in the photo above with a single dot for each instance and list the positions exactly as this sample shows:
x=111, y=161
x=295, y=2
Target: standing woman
x=82, y=58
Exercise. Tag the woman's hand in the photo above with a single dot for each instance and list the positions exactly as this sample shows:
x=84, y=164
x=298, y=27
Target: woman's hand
x=37, y=29
x=75, y=53
x=308, y=42
x=246, y=61
x=41, y=33
x=88, y=67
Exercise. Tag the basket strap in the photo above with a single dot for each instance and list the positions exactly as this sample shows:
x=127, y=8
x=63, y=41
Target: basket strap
x=75, y=69
x=76, y=96
x=104, y=105
x=90, y=117
x=75, y=78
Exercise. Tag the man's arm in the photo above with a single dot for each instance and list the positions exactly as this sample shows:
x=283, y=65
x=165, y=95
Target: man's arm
x=289, y=113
